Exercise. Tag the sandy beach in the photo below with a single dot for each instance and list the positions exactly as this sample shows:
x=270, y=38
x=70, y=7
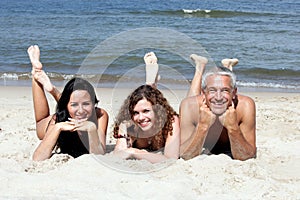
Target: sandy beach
x=274, y=174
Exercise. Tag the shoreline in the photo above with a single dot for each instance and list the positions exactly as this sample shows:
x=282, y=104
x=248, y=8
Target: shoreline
x=128, y=83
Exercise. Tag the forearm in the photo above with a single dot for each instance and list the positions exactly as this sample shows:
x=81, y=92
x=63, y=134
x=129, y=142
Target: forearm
x=240, y=148
x=193, y=146
x=45, y=148
x=95, y=144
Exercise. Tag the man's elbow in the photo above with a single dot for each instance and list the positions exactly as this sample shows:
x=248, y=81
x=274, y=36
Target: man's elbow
x=249, y=155
x=186, y=155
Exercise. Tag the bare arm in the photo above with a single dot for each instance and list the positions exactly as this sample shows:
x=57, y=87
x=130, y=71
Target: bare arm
x=45, y=148
x=97, y=136
x=102, y=128
x=195, y=123
x=242, y=134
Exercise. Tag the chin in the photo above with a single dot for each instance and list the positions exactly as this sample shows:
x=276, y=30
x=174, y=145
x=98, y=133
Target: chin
x=147, y=128
x=218, y=111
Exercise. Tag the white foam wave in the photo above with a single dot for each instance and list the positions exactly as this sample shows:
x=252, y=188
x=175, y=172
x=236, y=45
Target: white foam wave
x=267, y=85
x=9, y=76
x=188, y=11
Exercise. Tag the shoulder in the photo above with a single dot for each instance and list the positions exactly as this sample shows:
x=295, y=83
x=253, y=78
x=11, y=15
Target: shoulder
x=100, y=112
x=246, y=105
x=189, y=109
x=245, y=101
x=194, y=101
x=176, y=119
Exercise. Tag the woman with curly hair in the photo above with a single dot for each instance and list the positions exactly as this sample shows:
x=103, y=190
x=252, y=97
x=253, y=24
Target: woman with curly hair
x=146, y=124
x=78, y=127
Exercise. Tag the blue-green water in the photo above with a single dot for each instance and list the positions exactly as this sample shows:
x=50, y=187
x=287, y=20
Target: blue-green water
x=109, y=39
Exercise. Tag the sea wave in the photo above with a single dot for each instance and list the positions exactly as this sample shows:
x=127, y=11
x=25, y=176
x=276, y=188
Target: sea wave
x=268, y=85
x=210, y=13
x=263, y=72
x=251, y=78
x=206, y=13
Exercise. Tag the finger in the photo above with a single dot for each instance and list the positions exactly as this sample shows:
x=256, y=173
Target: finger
x=70, y=122
x=82, y=120
x=232, y=105
x=204, y=101
x=71, y=119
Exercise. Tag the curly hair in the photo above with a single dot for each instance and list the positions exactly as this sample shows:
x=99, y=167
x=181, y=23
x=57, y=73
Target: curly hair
x=164, y=113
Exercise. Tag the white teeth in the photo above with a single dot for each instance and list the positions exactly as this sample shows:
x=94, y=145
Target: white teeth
x=144, y=123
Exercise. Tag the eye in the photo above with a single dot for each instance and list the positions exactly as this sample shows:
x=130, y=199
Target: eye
x=135, y=113
x=73, y=104
x=212, y=90
x=226, y=90
x=87, y=103
x=146, y=111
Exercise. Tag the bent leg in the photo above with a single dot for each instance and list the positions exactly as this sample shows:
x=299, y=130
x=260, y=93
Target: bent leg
x=151, y=69
x=40, y=103
x=40, y=81
x=195, y=88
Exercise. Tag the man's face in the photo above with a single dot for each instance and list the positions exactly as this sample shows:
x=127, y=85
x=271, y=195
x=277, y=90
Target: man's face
x=218, y=93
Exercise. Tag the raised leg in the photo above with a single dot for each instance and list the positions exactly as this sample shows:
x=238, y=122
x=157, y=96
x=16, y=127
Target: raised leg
x=200, y=62
x=40, y=81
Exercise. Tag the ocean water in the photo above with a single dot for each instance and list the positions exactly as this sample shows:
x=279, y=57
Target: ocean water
x=105, y=41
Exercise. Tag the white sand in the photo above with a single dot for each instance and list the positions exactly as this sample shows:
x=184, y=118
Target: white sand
x=274, y=174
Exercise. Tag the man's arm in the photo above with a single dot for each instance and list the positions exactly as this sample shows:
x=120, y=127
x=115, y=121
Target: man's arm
x=194, y=125
x=242, y=134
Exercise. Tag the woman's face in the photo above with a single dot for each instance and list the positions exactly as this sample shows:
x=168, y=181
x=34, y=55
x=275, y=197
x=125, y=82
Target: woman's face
x=80, y=105
x=144, y=115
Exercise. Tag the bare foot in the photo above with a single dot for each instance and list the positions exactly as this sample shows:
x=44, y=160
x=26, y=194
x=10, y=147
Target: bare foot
x=229, y=63
x=34, y=56
x=150, y=58
x=43, y=79
x=151, y=69
x=38, y=74
x=200, y=62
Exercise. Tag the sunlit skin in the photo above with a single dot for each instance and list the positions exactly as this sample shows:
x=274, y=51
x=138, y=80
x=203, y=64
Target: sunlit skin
x=80, y=105
x=218, y=93
x=144, y=116
x=213, y=121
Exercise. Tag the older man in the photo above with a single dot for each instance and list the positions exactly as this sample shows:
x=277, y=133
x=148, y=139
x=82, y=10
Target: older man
x=218, y=120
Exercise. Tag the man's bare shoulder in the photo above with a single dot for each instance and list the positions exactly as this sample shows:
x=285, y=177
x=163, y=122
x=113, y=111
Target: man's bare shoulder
x=243, y=99
x=245, y=103
x=192, y=101
x=189, y=108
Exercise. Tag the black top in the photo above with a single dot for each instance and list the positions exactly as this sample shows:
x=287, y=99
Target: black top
x=73, y=144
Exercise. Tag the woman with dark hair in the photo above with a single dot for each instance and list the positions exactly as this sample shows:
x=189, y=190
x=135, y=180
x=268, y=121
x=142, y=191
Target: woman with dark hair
x=78, y=127
x=146, y=122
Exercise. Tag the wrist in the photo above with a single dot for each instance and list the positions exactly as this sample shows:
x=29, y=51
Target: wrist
x=202, y=128
x=233, y=129
x=92, y=127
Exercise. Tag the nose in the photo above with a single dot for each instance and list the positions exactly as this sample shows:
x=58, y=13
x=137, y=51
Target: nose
x=141, y=117
x=218, y=95
x=80, y=109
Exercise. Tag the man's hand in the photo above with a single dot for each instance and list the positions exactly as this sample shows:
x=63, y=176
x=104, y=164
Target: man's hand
x=229, y=118
x=207, y=118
